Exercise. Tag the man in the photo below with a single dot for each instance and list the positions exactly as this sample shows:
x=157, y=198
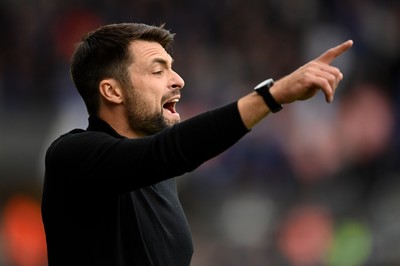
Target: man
x=109, y=193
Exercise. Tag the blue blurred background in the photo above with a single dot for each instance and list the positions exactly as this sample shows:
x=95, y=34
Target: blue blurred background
x=317, y=184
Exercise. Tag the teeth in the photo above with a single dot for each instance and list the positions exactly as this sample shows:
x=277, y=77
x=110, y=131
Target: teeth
x=175, y=100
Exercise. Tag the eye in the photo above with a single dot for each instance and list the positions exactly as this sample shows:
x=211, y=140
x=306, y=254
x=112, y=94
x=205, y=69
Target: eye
x=158, y=73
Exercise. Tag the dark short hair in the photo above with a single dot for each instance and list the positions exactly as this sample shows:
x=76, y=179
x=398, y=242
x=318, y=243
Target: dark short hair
x=104, y=53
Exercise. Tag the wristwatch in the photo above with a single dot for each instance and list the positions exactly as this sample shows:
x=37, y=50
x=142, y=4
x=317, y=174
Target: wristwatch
x=263, y=90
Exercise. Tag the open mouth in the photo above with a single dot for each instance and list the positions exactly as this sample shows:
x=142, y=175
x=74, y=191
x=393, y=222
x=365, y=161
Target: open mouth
x=170, y=106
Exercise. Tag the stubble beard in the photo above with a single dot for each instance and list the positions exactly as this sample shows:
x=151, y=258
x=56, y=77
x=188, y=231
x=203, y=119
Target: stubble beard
x=143, y=120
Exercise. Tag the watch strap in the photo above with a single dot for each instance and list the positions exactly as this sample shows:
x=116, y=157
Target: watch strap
x=263, y=90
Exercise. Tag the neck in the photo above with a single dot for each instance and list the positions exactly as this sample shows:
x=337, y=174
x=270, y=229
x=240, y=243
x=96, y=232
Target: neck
x=119, y=122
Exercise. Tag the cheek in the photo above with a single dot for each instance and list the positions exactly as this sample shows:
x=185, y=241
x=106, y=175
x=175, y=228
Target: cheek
x=147, y=95
x=153, y=99
x=149, y=104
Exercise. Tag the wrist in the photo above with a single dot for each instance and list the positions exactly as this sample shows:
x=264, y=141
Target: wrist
x=266, y=90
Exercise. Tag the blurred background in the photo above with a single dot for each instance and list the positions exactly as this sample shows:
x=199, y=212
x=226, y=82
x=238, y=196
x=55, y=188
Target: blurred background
x=317, y=184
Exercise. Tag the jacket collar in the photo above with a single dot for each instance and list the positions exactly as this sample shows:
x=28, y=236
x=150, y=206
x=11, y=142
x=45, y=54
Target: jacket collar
x=97, y=124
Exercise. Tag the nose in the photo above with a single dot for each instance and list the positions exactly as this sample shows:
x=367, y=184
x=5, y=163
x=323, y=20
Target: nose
x=177, y=81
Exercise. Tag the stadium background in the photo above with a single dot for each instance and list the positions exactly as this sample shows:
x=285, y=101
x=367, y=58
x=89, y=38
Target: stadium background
x=317, y=184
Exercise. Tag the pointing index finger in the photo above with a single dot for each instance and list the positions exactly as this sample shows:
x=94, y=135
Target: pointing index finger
x=334, y=52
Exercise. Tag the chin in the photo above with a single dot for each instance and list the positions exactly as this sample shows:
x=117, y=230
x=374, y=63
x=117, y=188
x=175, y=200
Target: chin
x=172, y=122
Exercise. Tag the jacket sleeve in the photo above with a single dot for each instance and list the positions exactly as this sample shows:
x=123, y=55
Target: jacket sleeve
x=98, y=160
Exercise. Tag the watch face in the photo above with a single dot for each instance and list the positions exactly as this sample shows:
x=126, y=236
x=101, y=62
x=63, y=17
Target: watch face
x=267, y=82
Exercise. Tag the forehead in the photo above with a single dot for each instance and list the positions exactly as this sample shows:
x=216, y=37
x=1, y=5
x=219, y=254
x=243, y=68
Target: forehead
x=146, y=51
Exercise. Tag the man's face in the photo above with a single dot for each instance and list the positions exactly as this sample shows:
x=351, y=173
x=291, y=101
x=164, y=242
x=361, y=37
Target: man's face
x=155, y=90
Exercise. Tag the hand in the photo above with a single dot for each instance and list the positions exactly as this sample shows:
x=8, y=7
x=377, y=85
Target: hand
x=316, y=75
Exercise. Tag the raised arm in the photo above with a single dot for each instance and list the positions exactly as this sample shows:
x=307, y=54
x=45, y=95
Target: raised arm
x=302, y=84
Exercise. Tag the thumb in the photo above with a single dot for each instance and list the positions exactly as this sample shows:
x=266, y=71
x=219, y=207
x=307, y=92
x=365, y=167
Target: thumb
x=334, y=52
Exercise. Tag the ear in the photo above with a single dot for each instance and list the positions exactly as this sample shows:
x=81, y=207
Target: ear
x=110, y=90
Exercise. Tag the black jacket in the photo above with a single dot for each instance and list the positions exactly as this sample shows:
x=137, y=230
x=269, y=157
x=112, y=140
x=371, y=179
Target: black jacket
x=110, y=200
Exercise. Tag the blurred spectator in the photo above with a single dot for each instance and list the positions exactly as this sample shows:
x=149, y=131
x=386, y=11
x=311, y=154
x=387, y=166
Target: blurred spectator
x=351, y=245
x=23, y=233
x=366, y=124
x=305, y=235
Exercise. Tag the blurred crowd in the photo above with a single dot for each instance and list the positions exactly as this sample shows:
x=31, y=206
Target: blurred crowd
x=314, y=185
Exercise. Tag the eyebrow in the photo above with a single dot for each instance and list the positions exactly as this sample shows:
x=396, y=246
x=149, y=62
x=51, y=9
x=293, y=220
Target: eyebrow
x=162, y=61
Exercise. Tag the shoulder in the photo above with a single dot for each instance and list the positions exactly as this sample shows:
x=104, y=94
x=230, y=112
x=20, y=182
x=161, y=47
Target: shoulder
x=80, y=140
